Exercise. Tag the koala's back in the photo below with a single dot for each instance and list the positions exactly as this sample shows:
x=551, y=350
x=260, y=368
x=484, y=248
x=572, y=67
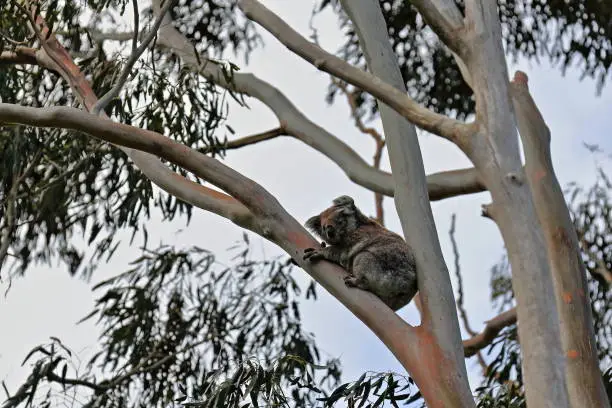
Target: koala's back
x=385, y=261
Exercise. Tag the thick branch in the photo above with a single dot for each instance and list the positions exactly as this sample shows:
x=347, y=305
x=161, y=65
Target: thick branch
x=584, y=383
x=495, y=153
x=445, y=19
x=21, y=55
x=442, y=377
x=441, y=185
x=277, y=224
x=424, y=118
x=481, y=340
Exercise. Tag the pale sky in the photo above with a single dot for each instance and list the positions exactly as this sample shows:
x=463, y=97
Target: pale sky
x=48, y=302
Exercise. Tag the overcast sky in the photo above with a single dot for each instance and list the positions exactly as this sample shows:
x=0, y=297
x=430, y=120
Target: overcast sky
x=48, y=302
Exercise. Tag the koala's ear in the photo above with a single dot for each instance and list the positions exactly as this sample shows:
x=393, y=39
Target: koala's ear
x=314, y=224
x=344, y=201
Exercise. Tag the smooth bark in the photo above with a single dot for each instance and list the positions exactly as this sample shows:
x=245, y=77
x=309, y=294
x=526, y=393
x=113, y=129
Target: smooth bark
x=495, y=152
x=584, y=383
x=446, y=384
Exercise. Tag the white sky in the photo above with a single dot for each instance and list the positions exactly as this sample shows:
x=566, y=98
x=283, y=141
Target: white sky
x=48, y=302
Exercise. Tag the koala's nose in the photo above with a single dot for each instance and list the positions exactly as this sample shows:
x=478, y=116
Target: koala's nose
x=330, y=231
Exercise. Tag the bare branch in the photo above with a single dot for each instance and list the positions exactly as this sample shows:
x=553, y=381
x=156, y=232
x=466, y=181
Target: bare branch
x=247, y=140
x=136, y=30
x=136, y=53
x=20, y=55
x=472, y=345
x=460, y=306
x=426, y=119
x=445, y=19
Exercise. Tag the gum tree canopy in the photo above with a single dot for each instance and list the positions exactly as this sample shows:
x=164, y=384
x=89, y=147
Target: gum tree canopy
x=101, y=100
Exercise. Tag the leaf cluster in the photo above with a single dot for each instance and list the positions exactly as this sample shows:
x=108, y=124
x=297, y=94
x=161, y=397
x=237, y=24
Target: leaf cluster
x=180, y=324
x=566, y=33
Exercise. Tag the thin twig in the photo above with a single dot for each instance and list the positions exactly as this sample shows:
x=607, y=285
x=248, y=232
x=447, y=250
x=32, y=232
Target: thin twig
x=247, y=140
x=351, y=97
x=460, y=305
x=110, y=95
x=490, y=332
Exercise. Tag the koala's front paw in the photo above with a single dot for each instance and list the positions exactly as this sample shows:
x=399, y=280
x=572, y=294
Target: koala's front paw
x=312, y=254
x=351, y=281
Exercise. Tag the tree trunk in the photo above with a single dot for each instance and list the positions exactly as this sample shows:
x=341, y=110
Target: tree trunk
x=495, y=152
x=441, y=345
x=584, y=383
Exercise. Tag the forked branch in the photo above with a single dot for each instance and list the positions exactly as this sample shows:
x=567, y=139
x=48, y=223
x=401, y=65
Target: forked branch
x=422, y=117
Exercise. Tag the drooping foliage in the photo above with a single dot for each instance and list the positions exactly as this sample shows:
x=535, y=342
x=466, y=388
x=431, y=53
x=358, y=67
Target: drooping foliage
x=570, y=33
x=57, y=186
x=179, y=326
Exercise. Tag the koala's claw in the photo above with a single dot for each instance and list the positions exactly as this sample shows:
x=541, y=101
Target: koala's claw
x=350, y=281
x=311, y=254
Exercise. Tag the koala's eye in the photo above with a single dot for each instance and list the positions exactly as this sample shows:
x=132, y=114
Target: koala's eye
x=330, y=231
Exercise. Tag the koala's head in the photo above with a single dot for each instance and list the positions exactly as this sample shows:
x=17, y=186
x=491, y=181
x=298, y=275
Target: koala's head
x=335, y=223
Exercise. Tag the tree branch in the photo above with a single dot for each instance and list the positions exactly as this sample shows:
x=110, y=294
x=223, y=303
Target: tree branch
x=584, y=383
x=460, y=306
x=472, y=345
x=55, y=57
x=445, y=19
x=21, y=55
x=247, y=140
x=495, y=152
x=443, y=380
x=441, y=185
x=136, y=53
x=426, y=119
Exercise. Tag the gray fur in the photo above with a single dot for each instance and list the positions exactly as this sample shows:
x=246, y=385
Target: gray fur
x=376, y=259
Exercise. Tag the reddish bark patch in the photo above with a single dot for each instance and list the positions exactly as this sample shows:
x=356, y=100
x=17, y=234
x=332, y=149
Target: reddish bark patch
x=573, y=354
x=562, y=237
x=539, y=174
x=299, y=239
x=520, y=78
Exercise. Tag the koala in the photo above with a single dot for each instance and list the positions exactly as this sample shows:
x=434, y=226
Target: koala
x=376, y=259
